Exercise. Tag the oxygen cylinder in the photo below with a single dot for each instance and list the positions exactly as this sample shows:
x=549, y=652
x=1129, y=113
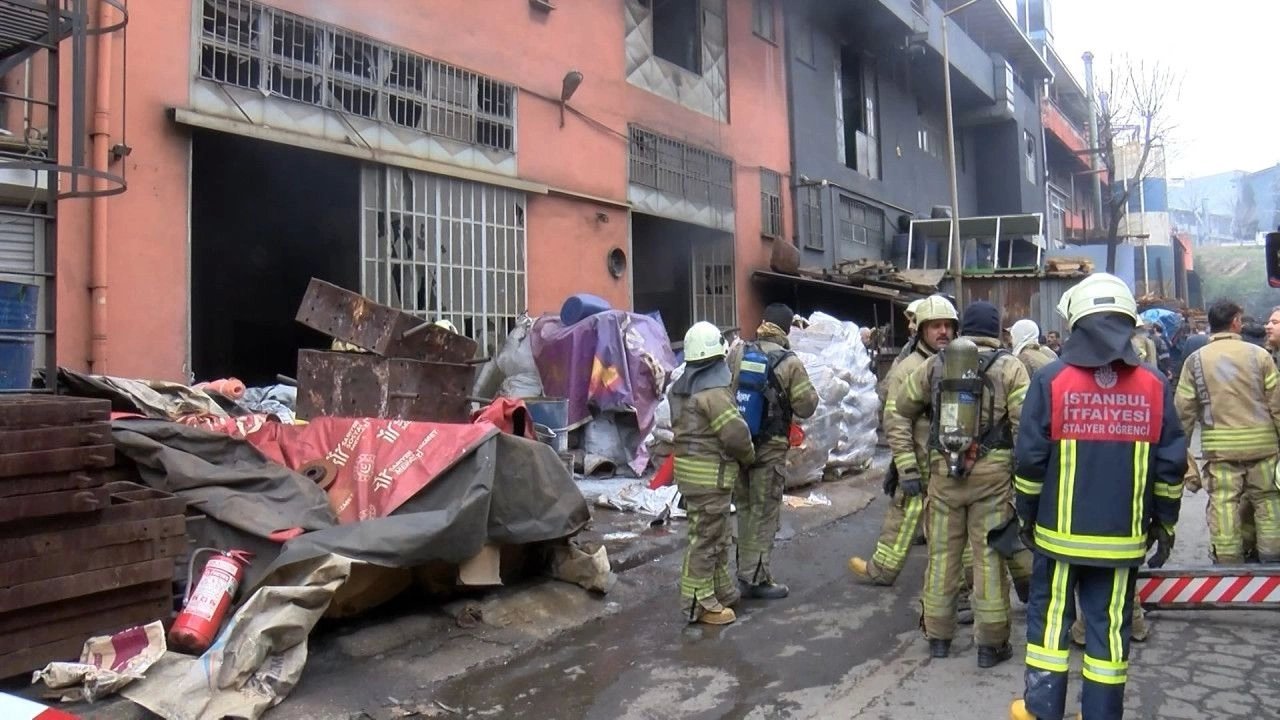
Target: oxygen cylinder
x=959, y=401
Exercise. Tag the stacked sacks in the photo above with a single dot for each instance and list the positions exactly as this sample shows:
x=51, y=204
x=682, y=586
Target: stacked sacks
x=842, y=432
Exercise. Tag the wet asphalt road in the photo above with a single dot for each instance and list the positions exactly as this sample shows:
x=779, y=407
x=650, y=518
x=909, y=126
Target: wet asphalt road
x=839, y=649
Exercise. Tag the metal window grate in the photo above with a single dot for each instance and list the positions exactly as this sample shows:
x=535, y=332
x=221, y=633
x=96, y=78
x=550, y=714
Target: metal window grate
x=251, y=45
x=813, y=238
x=443, y=248
x=714, y=295
x=682, y=170
x=770, y=203
x=918, y=7
x=859, y=223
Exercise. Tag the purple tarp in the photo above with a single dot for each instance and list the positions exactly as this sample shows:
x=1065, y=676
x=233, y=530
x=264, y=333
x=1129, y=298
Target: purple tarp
x=613, y=361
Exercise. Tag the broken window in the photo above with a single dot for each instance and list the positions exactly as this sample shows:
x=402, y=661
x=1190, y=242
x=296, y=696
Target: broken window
x=762, y=22
x=714, y=296
x=681, y=170
x=443, y=248
x=770, y=204
x=250, y=45
x=813, y=219
x=1031, y=157
x=859, y=112
x=677, y=32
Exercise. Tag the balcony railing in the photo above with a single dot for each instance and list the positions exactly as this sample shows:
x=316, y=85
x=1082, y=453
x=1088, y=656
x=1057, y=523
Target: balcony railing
x=1056, y=122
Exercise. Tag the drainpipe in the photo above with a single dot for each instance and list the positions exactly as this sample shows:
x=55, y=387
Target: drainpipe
x=1094, y=157
x=99, y=140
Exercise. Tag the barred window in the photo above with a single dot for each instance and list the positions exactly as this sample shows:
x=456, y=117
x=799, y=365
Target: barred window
x=813, y=238
x=443, y=248
x=860, y=223
x=682, y=170
x=251, y=45
x=770, y=203
x=714, y=295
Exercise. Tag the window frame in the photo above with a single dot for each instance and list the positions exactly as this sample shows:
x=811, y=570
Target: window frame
x=697, y=58
x=771, y=225
x=813, y=229
x=760, y=10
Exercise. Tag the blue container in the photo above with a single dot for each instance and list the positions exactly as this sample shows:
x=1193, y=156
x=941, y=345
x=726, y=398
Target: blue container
x=19, y=304
x=580, y=306
x=552, y=414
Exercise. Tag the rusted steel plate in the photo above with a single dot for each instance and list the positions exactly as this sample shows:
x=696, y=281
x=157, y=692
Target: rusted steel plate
x=54, y=438
x=58, y=542
x=57, y=565
x=40, y=592
x=64, y=641
x=40, y=505
x=129, y=501
x=84, y=605
x=36, y=411
x=353, y=318
x=59, y=481
x=362, y=385
x=57, y=461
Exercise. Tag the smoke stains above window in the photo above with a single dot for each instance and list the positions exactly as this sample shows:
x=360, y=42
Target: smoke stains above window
x=250, y=45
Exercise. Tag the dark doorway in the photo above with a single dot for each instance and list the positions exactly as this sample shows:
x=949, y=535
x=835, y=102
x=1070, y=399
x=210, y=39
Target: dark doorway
x=265, y=219
x=683, y=271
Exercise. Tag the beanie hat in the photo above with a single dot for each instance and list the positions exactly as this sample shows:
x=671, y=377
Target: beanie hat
x=779, y=315
x=981, y=319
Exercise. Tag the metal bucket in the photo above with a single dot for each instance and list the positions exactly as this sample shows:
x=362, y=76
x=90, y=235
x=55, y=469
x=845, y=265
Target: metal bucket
x=553, y=415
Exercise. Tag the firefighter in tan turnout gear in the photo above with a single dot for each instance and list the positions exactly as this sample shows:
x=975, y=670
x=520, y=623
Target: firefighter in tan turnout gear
x=712, y=444
x=772, y=388
x=936, y=324
x=1025, y=335
x=1231, y=389
x=975, y=390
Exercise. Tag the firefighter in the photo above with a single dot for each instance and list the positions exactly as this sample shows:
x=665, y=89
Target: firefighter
x=970, y=486
x=786, y=393
x=1027, y=348
x=1231, y=389
x=912, y=328
x=936, y=324
x=712, y=444
x=1146, y=348
x=1273, y=335
x=1100, y=457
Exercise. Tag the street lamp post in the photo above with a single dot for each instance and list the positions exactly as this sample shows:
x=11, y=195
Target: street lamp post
x=957, y=258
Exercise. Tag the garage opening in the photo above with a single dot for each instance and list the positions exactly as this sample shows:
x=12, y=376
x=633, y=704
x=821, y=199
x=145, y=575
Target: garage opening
x=684, y=272
x=265, y=219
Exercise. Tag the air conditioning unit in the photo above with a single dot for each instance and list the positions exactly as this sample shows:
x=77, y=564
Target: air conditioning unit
x=1006, y=86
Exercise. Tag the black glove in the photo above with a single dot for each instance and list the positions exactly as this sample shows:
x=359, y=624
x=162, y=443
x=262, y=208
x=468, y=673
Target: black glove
x=911, y=484
x=1027, y=532
x=1162, y=538
x=891, y=480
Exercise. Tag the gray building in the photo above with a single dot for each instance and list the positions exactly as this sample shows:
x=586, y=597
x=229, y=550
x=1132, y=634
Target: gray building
x=868, y=130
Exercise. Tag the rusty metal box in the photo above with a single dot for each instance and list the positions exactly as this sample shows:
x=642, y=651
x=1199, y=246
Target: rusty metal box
x=37, y=411
x=363, y=385
x=354, y=318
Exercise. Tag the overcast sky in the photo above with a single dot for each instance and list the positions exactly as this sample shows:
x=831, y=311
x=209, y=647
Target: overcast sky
x=1227, y=51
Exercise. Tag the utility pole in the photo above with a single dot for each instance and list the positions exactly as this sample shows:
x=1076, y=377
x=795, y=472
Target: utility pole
x=957, y=256
x=1094, y=140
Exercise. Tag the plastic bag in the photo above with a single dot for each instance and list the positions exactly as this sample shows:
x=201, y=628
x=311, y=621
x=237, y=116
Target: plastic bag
x=521, y=379
x=842, y=432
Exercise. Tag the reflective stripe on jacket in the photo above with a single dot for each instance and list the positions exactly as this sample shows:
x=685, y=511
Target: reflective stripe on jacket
x=1100, y=456
x=711, y=440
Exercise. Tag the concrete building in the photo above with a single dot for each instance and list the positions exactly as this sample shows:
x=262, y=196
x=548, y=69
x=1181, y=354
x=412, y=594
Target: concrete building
x=421, y=153
x=868, y=132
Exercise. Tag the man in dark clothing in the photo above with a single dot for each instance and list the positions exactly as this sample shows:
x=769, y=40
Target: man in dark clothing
x=1099, y=462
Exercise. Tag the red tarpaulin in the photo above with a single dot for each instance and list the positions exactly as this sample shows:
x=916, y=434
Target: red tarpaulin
x=374, y=465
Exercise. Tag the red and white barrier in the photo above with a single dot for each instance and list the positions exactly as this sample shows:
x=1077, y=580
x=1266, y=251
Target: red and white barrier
x=16, y=708
x=1217, y=587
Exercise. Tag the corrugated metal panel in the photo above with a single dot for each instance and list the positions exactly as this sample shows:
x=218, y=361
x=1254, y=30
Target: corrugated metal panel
x=17, y=242
x=1021, y=297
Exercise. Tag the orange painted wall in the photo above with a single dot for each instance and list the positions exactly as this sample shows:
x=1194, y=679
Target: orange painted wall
x=148, y=296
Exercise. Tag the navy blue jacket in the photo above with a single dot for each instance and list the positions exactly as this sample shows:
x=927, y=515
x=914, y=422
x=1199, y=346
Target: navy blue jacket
x=1099, y=456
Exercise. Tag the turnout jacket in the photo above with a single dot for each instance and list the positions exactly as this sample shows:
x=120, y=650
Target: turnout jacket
x=1036, y=356
x=711, y=439
x=1100, y=456
x=894, y=423
x=1230, y=388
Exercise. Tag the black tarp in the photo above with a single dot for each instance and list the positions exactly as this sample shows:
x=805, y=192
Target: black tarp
x=509, y=491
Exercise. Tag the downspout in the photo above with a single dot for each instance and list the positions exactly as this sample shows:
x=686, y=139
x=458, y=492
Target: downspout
x=99, y=138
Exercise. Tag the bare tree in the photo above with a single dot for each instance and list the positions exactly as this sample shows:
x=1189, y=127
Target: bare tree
x=1135, y=126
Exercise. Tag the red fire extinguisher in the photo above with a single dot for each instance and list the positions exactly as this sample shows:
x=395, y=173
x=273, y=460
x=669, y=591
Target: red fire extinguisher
x=205, y=607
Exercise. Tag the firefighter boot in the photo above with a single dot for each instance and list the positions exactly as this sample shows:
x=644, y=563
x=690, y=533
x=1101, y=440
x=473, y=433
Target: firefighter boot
x=716, y=617
x=939, y=648
x=865, y=570
x=1018, y=711
x=990, y=656
x=763, y=591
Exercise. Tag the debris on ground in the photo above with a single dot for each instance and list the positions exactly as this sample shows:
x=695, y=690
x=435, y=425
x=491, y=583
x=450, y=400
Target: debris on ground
x=815, y=499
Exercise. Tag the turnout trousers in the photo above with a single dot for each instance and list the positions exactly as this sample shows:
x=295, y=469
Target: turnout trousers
x=705, y=582
x=759, y=501
x=1234, y=489
x=1106, y=602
